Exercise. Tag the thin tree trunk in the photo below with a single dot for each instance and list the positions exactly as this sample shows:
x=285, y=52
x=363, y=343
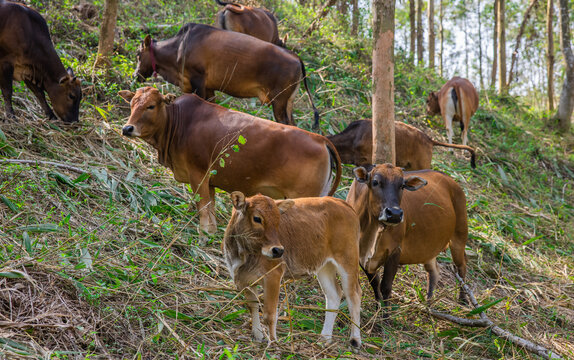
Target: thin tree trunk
x=355, y=23
x=431, y=33
x=502, y=85
x=420, y=33
x=441, y=32
x=322, y=13
x=465, y=30
x=550, y=54
x=412, y=15
x=518, y=39
x=566, y=103
x=494, y=47
x=480, y=75
x=383, y=81
x=107, y=31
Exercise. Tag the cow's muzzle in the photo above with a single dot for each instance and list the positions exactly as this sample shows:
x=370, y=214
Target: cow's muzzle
x=128, y=130
x=391, y=216
x=277, y=252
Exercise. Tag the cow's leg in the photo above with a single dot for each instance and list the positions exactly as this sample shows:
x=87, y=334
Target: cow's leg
x=207, y=222
x=464, y=123
x=327, y=277
x=352, y=289
x=283, y=105
x=6, y=77
x=433, y=275
x=253, y=307
x=448, y=114
x=210, y=95
x=375, y=281
x=39, y=93
x=390, y=271
x=196, y=84
x=459, y=258
x=271, y=285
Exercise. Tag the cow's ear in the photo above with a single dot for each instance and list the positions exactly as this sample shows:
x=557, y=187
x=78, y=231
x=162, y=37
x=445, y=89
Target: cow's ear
x=169, y=98
x=64, y=79
x=147, y=41
x=238, y=200
x=285, y=40
x=414, y=183
x=361, y=174
x=70, y=72
x=126, y=95
x=285, y=205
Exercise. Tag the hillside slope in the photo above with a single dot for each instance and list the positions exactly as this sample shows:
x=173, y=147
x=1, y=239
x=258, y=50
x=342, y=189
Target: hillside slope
x=99, y=252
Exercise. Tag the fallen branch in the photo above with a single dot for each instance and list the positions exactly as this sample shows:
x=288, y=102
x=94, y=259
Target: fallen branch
x=60, y=165
x=484, y=321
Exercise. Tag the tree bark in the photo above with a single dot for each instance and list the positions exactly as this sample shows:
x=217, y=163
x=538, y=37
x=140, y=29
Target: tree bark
x=107, y=31
x=494, y=47
x=441, y=35
x=420, y=33
x=466, y=51
x=383, y=81
x=412, y=16
x=566, y=103
x=431, y=33
x=518, y=39
x=550, y=54
x=355, y=21
x=502, y=85
x=480, y=75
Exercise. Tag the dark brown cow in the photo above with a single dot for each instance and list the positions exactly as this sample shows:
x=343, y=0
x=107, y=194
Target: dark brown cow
x=249, y=20
x=457, y=100
x=27, y=54
x=413, y=147
x=409, y=229
x=202, y=59
x=270, y=239
x=194, y=137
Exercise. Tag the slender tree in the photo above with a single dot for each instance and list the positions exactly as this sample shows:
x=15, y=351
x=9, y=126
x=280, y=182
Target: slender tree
x=502, y=85
x=383, y=81
x=550, y=54
x=494, y=47
x=412, y=15
x=420, y=34
x=480, y=75
x=107, y=31
x=441, y=35
x=431, y=33
x=566, y=103
x=355, y=21
x=514, y=57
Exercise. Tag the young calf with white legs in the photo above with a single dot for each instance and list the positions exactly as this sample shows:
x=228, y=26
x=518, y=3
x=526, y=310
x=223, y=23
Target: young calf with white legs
x=267, y=240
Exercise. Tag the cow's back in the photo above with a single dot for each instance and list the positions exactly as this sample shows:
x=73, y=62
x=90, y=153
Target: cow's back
x=23, y=32
x=464, y=88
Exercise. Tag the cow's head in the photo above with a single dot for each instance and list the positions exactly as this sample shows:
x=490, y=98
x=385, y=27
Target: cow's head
x=148, y=111
x=386, y=184
x=145, y=60
x=258, y=220
x=433, y=106
x=65, y=96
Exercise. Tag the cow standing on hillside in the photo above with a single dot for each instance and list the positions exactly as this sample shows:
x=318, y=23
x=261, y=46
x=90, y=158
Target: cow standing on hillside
x=209, y=146
x=203, y=59
x=457, y=100
x=27, y=54
x=249, y=20
x=268, y=240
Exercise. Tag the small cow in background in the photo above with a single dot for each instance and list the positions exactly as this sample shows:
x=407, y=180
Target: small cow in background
x=409, y=229
x=457, y=100
x=249, y=20
x=27, y=54
x=413, y=147
x=270, y=239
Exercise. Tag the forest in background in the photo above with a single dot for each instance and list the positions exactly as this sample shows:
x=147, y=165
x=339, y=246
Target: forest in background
x=99, y=254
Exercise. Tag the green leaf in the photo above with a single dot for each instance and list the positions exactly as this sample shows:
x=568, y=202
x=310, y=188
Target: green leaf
x=234, y=315
x=221, y=162
x=241, y=140
x=149, y=243
x=14, y=274
x=40, y=228
x=483, y=308
x=532, y=240
x=82, y=178
x=27, y=242
x=9, y=203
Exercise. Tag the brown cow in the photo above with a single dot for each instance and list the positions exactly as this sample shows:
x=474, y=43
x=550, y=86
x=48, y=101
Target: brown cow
x=27, y=54
x=249, y=20
x=457, y=100
x=270, y=239
x=196, y=139
x=409, y=229
x=413, y=147
x=202, y=59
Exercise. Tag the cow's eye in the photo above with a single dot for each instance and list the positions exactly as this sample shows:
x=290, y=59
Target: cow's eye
x=151, y=107
x=72, y=97
x=257, y=219
x=375, y=183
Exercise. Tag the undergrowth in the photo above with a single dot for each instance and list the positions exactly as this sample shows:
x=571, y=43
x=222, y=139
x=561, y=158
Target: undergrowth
x=100, y=258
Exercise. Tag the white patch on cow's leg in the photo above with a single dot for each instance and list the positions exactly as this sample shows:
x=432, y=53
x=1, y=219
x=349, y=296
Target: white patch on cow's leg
x=253, y=307
x=352, y=290
x=447, y=114
x=207, y=222
x=328, y=281
x=329, y=178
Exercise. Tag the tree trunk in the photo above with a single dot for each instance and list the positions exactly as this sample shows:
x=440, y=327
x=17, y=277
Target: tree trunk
x=412, y=15
x=107, y=31
x=383, y=81
x=420, y=33
x=356, y=13
x=494, y=47
x=441, y=34
x=480, y=75
x=322, y=13
x=518, y=39
x=566, y=103
x=502, y=85
x=550, y=54
x=431, y=33
x=466, y=51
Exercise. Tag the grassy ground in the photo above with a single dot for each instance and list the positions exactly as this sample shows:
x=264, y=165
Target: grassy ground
x=99, y=259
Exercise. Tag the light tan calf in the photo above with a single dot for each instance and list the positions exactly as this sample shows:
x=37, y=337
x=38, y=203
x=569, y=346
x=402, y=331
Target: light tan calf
x=457, y=100
x=271, y=239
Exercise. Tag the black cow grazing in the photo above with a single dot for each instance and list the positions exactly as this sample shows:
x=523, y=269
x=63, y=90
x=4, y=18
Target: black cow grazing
x=27, y=54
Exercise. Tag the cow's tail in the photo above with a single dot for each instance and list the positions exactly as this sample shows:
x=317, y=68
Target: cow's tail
x=462, y=147
x=315, y=111
x=335, y=161
x=458, y=104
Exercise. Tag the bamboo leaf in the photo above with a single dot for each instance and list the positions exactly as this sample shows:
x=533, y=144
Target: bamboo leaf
x=483, y=308
x=14, y=274
x=9, y=203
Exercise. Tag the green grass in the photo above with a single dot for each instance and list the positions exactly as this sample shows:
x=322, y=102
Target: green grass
x=109, y=256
